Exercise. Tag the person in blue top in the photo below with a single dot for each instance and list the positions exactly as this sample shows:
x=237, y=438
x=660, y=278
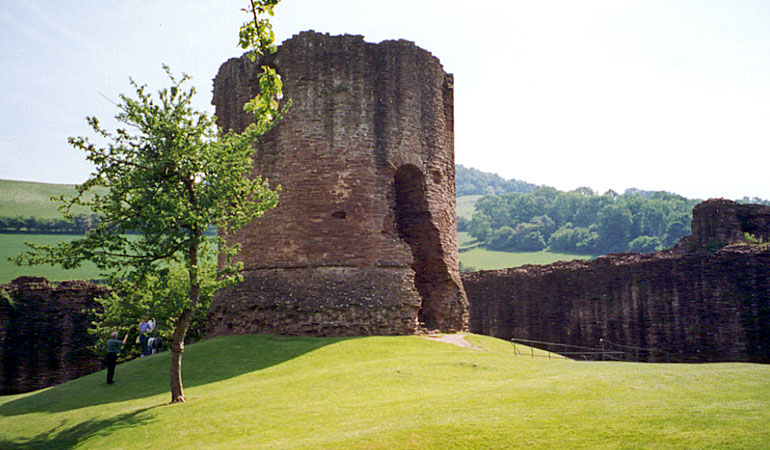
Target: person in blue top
x=144, y=328
x=113, y=348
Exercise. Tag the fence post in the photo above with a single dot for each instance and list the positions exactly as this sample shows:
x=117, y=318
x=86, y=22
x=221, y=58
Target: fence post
x=601, y=342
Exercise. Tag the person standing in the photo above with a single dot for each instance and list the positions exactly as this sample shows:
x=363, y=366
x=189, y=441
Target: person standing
x=144, y=329
x=113, y=348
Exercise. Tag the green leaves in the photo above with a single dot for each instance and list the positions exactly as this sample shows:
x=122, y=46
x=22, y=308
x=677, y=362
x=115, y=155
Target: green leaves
x=257, y=36
x=161, y=181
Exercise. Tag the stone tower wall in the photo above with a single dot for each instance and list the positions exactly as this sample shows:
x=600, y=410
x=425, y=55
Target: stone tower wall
x=363, y=240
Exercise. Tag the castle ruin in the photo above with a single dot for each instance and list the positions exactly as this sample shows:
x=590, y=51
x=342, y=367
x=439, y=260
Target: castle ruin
x=363, y=240
x=705, y=300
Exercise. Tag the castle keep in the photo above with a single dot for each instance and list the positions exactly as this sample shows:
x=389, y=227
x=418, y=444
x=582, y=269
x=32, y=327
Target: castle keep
x=363, y=240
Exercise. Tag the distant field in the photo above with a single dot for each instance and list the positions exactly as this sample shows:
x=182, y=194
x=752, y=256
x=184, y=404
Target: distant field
x=13, y=244
x=463, y=238
x=466, y=205
x=483, y=259
x=27, y=199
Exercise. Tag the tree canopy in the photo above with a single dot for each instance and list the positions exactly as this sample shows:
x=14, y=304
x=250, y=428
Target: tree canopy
x=581, y=221
x=168, y=176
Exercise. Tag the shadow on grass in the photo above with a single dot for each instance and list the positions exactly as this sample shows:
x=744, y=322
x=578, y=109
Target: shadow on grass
x=62, y=438
x=205, y=362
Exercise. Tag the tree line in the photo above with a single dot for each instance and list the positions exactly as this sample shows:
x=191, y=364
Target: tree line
x=580, y=221
x=79, y=224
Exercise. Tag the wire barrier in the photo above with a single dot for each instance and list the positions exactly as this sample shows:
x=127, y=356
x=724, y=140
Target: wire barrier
x=607, y=351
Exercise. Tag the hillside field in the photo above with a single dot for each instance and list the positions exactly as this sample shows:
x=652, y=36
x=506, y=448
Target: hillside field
x=407, y=392
x=29, y=199
x=13, y=244
x=466, y=204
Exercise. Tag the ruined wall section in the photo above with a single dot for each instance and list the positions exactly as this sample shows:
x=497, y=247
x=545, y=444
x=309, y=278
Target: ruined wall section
x=332, y=259
x=719, y=222
x=44, y=337
x=694, y=303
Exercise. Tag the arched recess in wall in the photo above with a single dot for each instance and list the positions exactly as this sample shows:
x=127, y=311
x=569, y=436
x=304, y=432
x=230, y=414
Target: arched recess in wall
x=415, y=227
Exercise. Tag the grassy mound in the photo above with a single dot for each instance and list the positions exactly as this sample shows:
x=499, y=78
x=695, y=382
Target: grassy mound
x=394, y=392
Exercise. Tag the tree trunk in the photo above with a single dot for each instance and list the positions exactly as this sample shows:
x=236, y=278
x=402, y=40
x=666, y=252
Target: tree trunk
x=177, y=339
x=177, y=348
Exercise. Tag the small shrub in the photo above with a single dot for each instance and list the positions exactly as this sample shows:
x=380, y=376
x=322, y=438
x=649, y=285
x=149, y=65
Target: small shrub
x=753, y=240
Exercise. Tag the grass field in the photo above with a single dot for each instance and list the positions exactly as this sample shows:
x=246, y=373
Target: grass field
x=466, y=205
x=28, y=199
x=394, y=393
x=13, y=244
x=483, y=259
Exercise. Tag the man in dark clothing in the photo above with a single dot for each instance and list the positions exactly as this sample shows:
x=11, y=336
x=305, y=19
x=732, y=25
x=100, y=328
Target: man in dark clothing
x=113, y=348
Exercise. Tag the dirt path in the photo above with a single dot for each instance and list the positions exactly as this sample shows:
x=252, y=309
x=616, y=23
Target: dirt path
x=454, y=339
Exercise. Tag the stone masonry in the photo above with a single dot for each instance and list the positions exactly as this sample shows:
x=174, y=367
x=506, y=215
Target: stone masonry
x=44, y=337
x=707, y=299
x=363, y=241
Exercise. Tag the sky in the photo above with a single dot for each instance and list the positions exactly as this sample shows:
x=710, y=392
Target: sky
x=669, y=95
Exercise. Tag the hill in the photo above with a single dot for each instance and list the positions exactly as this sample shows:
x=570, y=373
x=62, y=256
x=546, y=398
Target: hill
x=470, y=181
x=259, y=391
x=31, y=199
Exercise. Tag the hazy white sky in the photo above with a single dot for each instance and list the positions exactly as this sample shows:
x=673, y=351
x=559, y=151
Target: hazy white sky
x=660, y=95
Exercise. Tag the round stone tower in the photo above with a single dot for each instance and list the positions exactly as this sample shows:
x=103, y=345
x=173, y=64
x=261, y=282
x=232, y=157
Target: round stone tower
x=364, y=239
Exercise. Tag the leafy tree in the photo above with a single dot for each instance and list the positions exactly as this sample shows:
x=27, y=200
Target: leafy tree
x=479, y=227
x=614, y=226
x=161, y=297
x=463, y=269
x=562, y=240
x=168, y=177
x=501, y=238
x=678, y=227
x=544, y=225
x=586, y=239
x=645, y=244
x=462, y=223
x=526, y=238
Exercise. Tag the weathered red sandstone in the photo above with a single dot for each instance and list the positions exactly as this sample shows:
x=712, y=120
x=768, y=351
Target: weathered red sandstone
x=43, y=333
x=363, y=240
x=707, y=299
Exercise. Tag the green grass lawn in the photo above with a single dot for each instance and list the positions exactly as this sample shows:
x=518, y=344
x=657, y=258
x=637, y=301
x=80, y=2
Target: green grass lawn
x=394, y=392
x=13, y=244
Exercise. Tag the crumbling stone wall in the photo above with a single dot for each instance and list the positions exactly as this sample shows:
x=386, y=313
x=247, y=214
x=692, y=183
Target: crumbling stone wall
x=364, y=238
x=719, y=222
x=43, y=333
x=696, y=302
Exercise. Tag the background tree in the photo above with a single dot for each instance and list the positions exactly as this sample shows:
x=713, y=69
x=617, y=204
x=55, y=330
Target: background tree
x=581, y=221
x=168, y=177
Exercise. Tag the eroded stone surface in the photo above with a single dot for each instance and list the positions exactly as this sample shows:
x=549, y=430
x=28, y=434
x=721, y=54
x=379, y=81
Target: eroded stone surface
x=697, y=302
x=364, y=238
x=44, y=336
